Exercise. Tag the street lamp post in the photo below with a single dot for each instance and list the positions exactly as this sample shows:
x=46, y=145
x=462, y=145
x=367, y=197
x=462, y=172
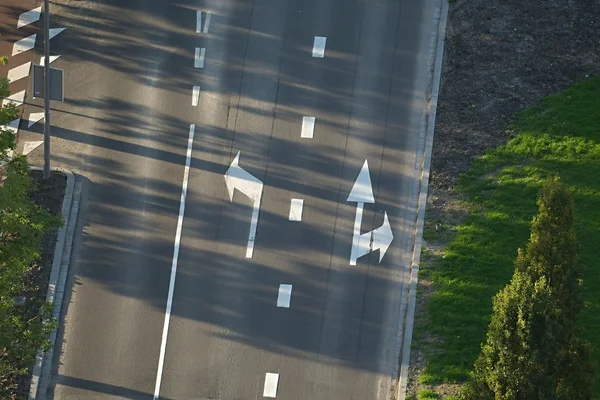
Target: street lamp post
x=46, y=89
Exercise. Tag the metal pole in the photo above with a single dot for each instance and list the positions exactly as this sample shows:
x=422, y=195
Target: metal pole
x=46, y=89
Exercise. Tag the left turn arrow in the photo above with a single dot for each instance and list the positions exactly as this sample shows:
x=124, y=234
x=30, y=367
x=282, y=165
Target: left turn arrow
x=238, y=178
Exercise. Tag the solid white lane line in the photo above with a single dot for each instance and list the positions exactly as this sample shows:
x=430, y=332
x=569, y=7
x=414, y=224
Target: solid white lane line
x=52, y=59
x=17, y=98
x=206, y=23
x=296, y=206
x=24, y=44
x=308, y=127
x=319, y=47
x=163, y=344
x=195, y=95
x=19, y=72
x=199, y=58
x=29, y=17
x=55, y=31
x=271, y=382
x=33, y=118
x=285, y=296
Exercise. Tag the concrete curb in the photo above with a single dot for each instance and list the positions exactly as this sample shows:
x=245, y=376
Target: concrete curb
x=423, y=164
x=58, y=278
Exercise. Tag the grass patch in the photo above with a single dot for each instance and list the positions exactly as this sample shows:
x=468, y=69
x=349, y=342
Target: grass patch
x=560, y=136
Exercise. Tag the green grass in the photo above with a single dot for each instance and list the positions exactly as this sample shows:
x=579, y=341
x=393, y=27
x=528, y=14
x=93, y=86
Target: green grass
x=560, y=136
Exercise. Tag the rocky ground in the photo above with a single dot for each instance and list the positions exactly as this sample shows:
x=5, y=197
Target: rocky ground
x=500, y=57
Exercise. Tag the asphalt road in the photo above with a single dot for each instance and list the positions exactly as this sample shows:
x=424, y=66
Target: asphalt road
x=124, y=127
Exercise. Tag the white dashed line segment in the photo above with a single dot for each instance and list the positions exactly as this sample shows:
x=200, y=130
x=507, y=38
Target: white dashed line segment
x=195, y=95
x=24, y=44
x=29, y=17
x=17, y=98
x=55, y=31
x=308, y=127
x=285, y=296
x=163, y=345
x=34, y=118
x=52, y=59
x=19, y=72
x=271, y=382
x=199, y=28
x=296, y=206
x=199, y=58
x=319, y=47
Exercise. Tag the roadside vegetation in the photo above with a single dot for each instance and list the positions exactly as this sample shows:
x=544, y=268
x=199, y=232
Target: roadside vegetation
x=25, y=322
x=475, y=258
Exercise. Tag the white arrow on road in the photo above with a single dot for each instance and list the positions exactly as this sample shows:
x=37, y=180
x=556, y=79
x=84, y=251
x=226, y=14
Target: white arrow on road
x=378, y=239
x=238, y=178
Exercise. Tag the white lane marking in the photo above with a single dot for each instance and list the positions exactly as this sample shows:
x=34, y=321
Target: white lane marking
x=24, y=44
x=362, y=191
x=199, y=28
x=271, y=382
x=163, y=344
x=308, y=127
x=19, y=72
x=33, y=118
x=55, y=31
x=296, y=206
x=206, y=23
x=29, y=17
x=199, y=58
x=319, y=47
x=13, y=125
x=285, y=296
x=195, y=95
x=28, y=147
x=52, y=59
x=17, y=98
x=238, y=178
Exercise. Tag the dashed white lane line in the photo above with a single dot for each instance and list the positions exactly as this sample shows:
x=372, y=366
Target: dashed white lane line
x=19, y=72
x=296, y=206
x=52, y=59
x=55, y=31
x=34, y=118
x=271, y=382
x=199, y=57
x=319, y=47
x=29, y=17
x=163, y=345
x=308, y=127
x=24, y=44
x=17, y=98
x=195, y=95
x=285, y=296
x=199, y=28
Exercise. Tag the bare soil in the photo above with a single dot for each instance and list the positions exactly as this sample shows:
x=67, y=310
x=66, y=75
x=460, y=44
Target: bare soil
x=500, y=57
x=48, y=194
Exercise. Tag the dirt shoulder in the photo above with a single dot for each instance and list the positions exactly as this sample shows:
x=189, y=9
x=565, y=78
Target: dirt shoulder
x=500, y=57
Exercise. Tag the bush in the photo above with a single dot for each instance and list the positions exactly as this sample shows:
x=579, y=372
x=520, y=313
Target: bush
x=533, y=350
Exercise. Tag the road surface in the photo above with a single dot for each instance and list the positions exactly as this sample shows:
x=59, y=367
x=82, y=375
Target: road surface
x=131, y=67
